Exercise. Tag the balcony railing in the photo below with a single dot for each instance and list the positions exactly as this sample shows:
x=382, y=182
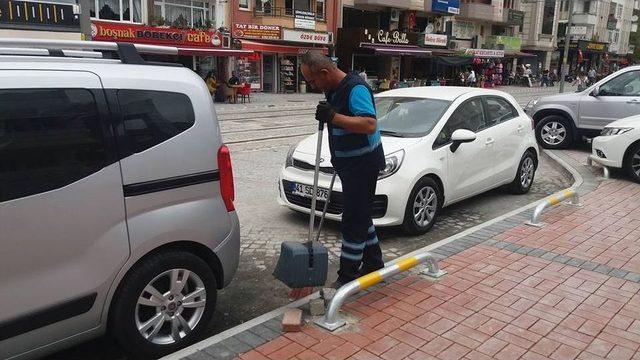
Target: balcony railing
x=280, y=12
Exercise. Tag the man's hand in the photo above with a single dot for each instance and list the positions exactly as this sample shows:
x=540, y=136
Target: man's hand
x=325, y=112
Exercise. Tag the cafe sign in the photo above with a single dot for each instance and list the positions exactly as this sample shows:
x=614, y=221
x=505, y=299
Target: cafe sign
x=304, y=20
x=255, y=31
x=484, y=53
x=463, y=30
x=435, y=40
x=110, y=31
x=394, y=37
x=592, y=46
x=515, y=17
x=305, y=36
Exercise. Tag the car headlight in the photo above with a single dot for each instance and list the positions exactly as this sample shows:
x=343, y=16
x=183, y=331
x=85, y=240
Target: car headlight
x=392, y=164
x=289, y=161
x=614, y=131
x=531, y=104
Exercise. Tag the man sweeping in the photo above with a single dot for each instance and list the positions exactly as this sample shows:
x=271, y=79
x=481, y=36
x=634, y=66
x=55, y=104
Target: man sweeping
x=356, y=155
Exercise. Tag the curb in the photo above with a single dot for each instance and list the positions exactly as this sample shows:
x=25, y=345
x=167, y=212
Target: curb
x=264, y=328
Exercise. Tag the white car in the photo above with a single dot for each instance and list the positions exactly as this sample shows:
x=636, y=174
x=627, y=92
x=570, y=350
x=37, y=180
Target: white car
x=619, y=146
x=442, y=145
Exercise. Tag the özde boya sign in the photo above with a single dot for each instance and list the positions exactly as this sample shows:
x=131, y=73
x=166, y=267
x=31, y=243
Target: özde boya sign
x=305, y=36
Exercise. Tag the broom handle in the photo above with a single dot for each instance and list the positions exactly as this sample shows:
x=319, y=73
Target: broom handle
x=326, y=205
x=316, y=174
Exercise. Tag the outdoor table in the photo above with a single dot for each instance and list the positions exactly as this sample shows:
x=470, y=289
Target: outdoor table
x=235, y=91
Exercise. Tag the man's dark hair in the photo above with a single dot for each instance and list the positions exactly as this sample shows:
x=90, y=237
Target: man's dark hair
x=317, y=61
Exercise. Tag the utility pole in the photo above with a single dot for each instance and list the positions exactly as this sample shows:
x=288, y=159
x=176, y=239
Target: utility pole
x=567, y=39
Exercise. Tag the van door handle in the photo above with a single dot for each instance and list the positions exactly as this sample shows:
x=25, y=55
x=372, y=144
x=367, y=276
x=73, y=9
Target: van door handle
x=519, y=129
x=489, y=141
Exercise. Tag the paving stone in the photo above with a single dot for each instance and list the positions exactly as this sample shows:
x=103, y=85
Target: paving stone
x=292, y=321
x=635, y=277
x=537, y=252
x=588, y=265
x=603, y=269
x=220, y=352
x=265, y=332
x=200, y=355
x=235, y=345
x=619, y=273
x=575, y=262
x=316, y=307
x=549, y=256
x=250, y=339
x=563, y=259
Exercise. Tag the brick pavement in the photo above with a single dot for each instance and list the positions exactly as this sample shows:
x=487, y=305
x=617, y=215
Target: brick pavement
x=568, y=290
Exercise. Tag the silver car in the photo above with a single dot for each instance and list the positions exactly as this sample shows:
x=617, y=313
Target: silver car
x=562, y=119
x=116, y=201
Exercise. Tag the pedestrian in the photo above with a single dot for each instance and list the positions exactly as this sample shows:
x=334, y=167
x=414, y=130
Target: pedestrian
x=527, y=74
x=471, y=79
x=592, y=76
x=546, y=80
x=356, y=155
x=582, y=81
x=363, y=75
x=212, y=82
x=233, y=80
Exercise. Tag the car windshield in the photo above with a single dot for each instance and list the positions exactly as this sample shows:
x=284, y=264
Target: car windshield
x=408, y=117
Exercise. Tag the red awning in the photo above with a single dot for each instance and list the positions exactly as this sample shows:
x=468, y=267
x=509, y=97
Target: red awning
x=396, y=50
x=212, y=52
x=280, y=49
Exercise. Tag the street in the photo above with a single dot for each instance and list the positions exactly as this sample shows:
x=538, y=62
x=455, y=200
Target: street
x=259, y=136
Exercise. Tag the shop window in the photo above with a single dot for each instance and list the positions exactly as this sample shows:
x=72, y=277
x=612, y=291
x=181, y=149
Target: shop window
x=183, y=13
x=549, y=16
x=119, y=10
x=292, y=5
x=263, y=6
x=320, y=9
x=243, y=4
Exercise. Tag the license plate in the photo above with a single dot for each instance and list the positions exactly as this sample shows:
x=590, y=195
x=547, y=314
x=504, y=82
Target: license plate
x=307, y=191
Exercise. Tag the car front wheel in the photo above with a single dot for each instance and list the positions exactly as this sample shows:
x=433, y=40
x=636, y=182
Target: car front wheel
x=525, y=174
x=163, y=304
x=554, y=132
x=423, y=206
x=633, y=163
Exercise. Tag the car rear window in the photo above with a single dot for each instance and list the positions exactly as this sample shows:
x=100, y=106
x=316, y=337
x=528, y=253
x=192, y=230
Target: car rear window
x=410, y=117
x=152, y=117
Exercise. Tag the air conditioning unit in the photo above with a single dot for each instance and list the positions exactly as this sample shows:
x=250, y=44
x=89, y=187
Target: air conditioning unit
x=395, y=15
x=453, y=45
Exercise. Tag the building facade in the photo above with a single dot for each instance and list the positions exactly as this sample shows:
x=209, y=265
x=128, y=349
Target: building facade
x=278, y=32
x=42, y=19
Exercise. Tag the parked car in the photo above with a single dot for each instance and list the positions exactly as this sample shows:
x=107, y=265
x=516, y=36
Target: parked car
x=565, y=118
x=442, y=145
x=619, y=146
x=116, y=200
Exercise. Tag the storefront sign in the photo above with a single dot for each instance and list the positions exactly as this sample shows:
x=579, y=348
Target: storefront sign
x=305, y=20
x=305, y=36
x=485, y=53
x=443, y=6
x=578, y=30
x=590, y=46
x=34, y=14
x=395, y=37
x=435, y=40
x=515, y=17
x=109, y=31
x=463, y=29
x=255, y=31
x=504, y=42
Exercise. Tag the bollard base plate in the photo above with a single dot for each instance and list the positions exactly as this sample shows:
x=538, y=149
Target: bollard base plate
x=538, y=225
x=330, y=326
x=436, y=275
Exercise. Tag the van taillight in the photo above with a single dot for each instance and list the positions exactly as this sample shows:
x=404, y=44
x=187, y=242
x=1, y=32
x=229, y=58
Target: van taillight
x=226, y=177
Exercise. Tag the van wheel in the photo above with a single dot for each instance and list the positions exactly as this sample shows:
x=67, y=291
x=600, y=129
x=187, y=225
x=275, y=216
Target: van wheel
x=554, y=132
x=525, y=174
x=423, y=207
x=632, y=163
x=163, y=304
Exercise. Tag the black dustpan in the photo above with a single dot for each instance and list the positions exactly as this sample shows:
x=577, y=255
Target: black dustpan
x=306, y=264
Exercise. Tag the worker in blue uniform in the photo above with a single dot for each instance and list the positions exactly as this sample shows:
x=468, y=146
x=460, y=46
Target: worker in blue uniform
x=356, y=155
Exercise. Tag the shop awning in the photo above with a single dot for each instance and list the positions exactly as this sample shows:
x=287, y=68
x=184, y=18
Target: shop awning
x=212, y=52
x=280, y=49
x=517, y=54
x=397, y=50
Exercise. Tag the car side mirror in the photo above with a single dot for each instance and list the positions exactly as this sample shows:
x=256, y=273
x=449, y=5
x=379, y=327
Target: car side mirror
x=596, y=91
x=461, y=136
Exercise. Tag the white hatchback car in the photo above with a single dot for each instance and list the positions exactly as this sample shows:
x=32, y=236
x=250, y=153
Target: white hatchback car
x=619, y=146
x=442, y=145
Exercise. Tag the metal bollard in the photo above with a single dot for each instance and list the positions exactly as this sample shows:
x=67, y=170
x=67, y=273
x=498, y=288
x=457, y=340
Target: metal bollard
x=552, y=201
x=332, y=320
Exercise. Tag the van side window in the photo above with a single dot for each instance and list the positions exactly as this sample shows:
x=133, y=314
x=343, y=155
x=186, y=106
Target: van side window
x=49, y=138
x=152, y=117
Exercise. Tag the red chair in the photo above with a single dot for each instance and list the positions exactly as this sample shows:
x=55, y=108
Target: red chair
x=245, y=92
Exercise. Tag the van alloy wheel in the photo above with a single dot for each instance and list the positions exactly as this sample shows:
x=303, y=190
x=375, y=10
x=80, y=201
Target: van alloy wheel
x=170, y=306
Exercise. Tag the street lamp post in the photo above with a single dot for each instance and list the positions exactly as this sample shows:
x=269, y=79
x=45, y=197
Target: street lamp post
x=567, y=39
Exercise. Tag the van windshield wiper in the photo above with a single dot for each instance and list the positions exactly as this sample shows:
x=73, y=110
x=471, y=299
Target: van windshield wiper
x=391, y=133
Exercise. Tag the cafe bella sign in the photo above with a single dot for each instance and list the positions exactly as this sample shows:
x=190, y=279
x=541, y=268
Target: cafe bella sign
x=108, y=31
x=394, y=37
